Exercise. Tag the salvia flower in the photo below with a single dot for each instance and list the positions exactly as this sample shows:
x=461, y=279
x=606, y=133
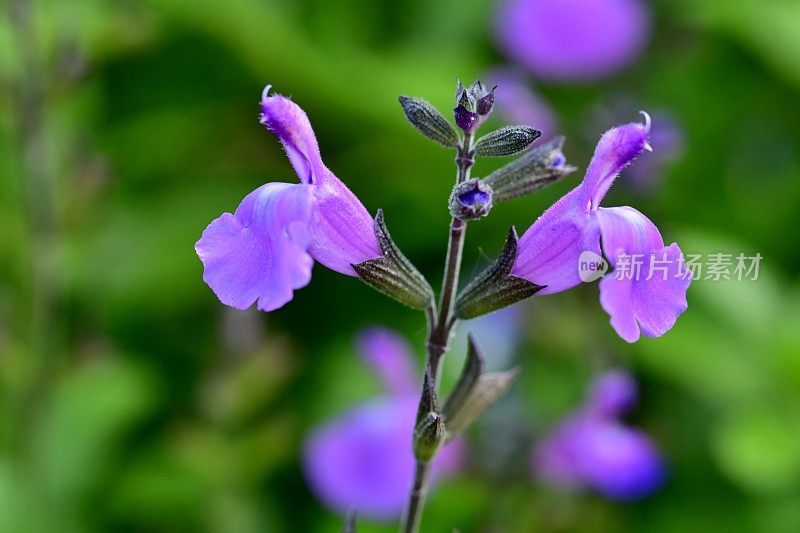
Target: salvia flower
x=593, y=449
x=647, y=292
x=362, y=461
x=572, y=40
x=667, y=139
x=263, y=251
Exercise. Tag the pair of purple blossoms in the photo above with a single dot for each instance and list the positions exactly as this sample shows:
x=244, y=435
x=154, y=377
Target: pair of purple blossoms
x=361, y=461
x=265, y=250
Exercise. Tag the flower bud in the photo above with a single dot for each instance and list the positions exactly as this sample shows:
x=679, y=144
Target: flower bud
x=471, y=200
x=473, y=105
x=507, y=141
x=429, y=436
x=465, y=119
x=537, y=168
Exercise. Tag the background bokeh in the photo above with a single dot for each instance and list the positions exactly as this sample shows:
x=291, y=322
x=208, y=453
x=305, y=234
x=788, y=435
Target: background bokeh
x=131, y=399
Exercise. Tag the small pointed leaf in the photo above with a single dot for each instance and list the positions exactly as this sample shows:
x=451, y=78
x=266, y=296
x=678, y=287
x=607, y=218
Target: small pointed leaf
x=392, y=273
x=488, y=389
x=495, y=287
x=470, y=374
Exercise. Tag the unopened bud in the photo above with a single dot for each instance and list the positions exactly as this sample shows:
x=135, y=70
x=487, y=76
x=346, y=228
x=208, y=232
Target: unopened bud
x=429, y=436
x=465, y=119
x=473, y=105
x=537, y=168
x=471, y=200
x=507, y=141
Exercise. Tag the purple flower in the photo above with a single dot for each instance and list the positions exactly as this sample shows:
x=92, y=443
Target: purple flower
x=391, y=360
x=612, y=393
x=648, y=291
x=264, y=251
x=667, y=140
x=573, y=40
x=593, y=449
x=363, y=460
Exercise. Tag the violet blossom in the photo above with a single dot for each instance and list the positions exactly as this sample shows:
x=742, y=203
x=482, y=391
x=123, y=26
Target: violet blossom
x=263, y=251
x=572, y=40
x=362, y=461
x=667, y=139
x=593, y=449
x=647, y=292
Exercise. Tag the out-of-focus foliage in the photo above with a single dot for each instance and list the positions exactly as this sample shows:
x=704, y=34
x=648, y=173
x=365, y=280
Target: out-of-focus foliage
x=131, y=399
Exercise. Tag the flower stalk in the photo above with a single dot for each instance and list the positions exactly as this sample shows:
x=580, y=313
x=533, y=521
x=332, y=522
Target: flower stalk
x=264, y=251
x=440, y=327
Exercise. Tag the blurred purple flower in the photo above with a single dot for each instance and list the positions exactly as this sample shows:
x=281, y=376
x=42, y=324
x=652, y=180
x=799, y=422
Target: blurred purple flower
x=612, y=393
x=651, y=295
x=498, y=333
x=362, y=460
x=573, y=40
x=517, y=103
x=593, y=449
x=391, y=360
x=264, y=251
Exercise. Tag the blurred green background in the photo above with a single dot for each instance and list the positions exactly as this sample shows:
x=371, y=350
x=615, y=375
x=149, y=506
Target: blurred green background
x=131, y=399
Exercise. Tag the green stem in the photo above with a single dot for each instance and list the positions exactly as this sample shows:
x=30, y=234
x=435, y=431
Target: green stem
x=439, y=329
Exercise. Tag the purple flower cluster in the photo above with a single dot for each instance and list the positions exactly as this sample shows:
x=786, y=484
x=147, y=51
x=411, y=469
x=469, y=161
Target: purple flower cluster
x=572, y=40
x=263, y=251
x=593, y=449
x=550, y=250
x=362, y=461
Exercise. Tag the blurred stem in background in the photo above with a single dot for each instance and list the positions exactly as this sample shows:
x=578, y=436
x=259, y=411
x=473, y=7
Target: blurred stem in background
x=38, y=184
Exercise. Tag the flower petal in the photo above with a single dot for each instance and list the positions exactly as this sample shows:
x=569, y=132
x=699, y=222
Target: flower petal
x=555, y=458
x=572, y=40
x=626, y=231
x=617, y=148
x=290, y=124
x=363, y=461
x=647, y=290
x=620, y=462
x=342, y=230
x=616, y=298
x=549, y=250
x=259, y=253
x=612, y=394
x=599, y=452
x=390, y=358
